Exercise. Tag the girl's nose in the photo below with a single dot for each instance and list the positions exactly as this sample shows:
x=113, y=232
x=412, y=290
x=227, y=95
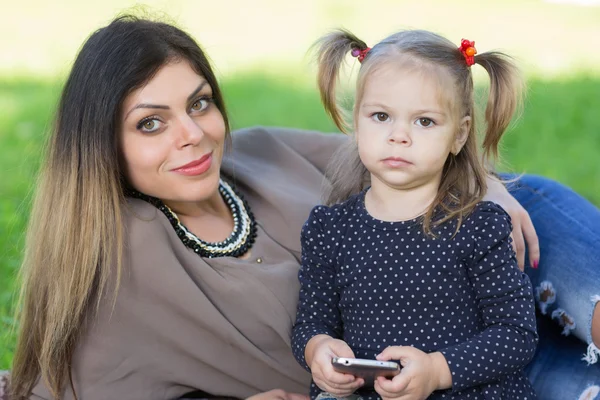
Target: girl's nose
x=400, y=135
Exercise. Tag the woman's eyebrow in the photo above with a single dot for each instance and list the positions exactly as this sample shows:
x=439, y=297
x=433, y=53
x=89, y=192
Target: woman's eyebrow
x=146, y=105
x=195, y=92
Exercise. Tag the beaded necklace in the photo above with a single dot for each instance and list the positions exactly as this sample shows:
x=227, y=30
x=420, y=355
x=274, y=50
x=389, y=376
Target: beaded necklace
x=238, y=243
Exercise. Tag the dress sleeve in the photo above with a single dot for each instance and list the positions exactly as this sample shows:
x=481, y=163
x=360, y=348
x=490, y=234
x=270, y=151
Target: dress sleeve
x=505, y=302
x=318, y=311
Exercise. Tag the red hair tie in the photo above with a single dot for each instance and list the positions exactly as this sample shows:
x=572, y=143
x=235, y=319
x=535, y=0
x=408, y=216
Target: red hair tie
x=361, y=54
x=467, y=48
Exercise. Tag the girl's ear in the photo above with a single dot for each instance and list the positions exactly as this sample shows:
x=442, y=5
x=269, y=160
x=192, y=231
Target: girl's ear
x=462, y=135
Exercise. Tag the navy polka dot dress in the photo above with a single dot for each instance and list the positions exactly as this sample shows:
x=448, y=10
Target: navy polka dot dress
x=376, y=284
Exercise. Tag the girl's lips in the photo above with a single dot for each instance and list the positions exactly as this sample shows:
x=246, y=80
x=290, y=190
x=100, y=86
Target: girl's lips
x=196, y=167
x=396, y=162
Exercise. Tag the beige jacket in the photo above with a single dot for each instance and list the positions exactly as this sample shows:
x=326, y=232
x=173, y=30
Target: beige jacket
x=221, y=325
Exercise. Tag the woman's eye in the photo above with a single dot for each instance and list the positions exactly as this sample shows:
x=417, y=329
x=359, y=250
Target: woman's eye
x=425, y=122
x=149, y=125
x=381, y=116
x=199, y=105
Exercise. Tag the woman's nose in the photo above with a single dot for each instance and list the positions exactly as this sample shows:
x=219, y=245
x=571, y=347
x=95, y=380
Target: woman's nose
x=190, y=133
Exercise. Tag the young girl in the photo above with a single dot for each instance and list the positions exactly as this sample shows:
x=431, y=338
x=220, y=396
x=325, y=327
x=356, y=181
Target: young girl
x=416, y=267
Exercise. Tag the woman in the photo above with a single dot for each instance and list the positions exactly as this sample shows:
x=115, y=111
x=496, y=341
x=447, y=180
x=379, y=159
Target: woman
x=157, y=265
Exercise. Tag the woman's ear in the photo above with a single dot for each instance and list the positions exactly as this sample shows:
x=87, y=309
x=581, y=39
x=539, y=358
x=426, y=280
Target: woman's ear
x=462, y=135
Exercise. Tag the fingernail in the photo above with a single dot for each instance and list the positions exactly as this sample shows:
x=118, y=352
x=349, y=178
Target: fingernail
x=535, y=263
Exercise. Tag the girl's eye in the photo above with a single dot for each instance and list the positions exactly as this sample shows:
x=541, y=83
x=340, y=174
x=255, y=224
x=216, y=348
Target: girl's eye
x=200, y=104
x=381, y=116
x=425, y=122
x=149, y=125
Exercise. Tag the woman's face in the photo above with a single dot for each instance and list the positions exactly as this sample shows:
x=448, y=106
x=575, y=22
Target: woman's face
x=172, y=136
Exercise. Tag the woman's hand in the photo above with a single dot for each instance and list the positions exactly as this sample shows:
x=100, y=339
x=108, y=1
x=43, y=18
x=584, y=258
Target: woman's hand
x=320, y=350
x=278, y=394
x=421, y=374
x=523, y=230
x=4, y=377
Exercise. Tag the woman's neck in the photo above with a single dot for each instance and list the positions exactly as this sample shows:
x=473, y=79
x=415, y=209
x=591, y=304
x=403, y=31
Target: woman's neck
x=388, y=203
x=213, y=204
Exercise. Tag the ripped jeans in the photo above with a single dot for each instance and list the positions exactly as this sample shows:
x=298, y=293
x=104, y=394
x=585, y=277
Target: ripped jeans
x=567, y=288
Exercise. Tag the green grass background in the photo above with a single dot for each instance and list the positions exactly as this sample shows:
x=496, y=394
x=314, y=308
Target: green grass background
x=259, y=49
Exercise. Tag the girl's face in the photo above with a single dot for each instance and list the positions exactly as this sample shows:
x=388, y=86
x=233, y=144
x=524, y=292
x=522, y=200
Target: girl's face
x=405, y=127
x=172, y=136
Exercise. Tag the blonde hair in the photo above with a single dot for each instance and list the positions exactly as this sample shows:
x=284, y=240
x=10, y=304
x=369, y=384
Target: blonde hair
x=463, y=182
x=74, y=246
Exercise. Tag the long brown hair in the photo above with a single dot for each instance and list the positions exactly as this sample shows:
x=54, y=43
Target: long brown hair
x=463, y=182
x=74, y=245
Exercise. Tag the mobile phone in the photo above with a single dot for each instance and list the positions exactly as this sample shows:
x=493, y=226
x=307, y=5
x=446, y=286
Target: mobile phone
x=369, y=370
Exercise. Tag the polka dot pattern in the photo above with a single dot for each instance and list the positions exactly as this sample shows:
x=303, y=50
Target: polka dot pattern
x=376, y=284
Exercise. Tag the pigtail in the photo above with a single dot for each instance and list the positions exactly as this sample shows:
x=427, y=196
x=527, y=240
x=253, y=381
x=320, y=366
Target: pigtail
x=505, y=97
x=332, y=49
x=345, y=172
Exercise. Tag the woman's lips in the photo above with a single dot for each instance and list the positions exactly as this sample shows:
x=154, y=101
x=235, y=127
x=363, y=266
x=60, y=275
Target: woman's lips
x=196, y=167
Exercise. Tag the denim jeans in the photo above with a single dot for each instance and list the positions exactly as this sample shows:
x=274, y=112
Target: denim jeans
x=567, y=286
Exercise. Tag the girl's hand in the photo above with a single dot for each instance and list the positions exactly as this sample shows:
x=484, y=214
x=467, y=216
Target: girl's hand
x=421, y=374
x=278, y=394
x=523, y=230
x=325, y=377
